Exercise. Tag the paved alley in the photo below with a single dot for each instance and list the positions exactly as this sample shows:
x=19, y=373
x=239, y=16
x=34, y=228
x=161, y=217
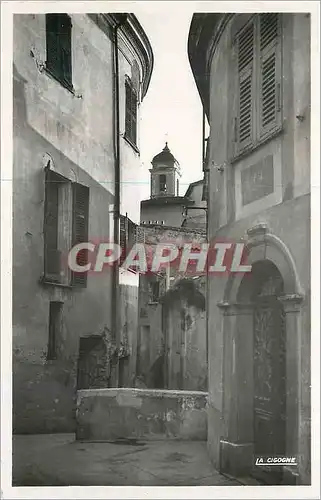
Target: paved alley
x=59, y=460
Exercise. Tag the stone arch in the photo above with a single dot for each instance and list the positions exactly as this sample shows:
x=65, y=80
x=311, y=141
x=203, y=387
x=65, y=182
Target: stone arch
x=49, y=164
x=265, y=246
x=267, y=254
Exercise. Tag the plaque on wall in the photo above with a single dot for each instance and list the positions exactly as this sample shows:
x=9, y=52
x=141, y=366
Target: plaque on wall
x=257, y=180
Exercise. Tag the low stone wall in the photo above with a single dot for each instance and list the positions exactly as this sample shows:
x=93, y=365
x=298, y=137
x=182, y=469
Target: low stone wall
x=149, y=414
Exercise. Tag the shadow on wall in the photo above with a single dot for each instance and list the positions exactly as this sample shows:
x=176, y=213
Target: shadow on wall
x=155, y=377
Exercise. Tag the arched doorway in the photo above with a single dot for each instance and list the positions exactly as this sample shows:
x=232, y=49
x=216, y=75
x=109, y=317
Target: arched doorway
x=261, y=334
x=262, y=288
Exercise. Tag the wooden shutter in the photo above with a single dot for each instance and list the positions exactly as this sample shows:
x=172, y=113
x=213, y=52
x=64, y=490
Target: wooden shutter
x=52, y=256
x=128, y=111
x=245, y=65
x=131, y=113
x=80, y=229
x=58, y=41
x=131, y=234
x=269, y=73
x=123, y=238
x=134, y=115
x=140, y=234
x=132, y=238
x=52, y=42
x=65, y=47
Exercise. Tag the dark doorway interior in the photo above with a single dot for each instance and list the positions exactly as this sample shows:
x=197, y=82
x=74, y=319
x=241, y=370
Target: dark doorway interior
x=92, y=363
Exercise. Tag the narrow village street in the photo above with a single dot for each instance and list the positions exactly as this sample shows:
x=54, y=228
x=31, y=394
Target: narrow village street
x=159, y=263
x=59, y=460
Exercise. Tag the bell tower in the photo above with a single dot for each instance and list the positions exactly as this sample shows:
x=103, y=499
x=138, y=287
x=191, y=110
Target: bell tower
x=165, y=174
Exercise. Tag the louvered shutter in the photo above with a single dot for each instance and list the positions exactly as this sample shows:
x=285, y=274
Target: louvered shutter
x=58, y=41
x=140, y=234
x=131, y=234
x=134, y=115
x=131, y=113
x=52, y=42
x=128, y=111
x=65, y=47
x=269, y=73
x=123, y=238
x=52, y=256
x=245, y=63
x=80, y=229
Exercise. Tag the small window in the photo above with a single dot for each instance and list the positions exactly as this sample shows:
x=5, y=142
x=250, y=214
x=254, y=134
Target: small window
x=58, y=41
x=155, y=290
x=54, y=337
x=162, y=183
x=131, y=113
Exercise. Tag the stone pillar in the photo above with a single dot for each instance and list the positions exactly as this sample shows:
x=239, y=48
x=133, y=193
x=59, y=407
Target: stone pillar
x=237, y=446
x=292, y=308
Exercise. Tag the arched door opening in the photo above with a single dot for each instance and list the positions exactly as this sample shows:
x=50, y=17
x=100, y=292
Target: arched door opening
x=262, y=289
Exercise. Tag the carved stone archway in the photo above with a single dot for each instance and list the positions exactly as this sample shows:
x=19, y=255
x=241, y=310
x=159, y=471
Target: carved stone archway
x=237, y=309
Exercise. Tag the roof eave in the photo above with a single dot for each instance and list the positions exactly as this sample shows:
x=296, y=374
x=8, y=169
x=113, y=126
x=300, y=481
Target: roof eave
x=205, y=31
x=136, y=35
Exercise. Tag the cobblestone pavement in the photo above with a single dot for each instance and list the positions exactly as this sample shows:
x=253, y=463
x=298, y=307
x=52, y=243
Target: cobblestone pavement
x=59, y=460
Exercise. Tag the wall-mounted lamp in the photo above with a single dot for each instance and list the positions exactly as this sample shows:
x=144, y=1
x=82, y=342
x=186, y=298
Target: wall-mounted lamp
x=220, y=168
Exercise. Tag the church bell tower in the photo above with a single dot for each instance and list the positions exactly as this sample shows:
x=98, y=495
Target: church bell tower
x=165, y=174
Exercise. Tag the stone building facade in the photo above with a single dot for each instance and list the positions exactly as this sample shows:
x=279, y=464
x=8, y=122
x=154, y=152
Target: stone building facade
x=78, y=81
x=171, y=342
x=253, y=75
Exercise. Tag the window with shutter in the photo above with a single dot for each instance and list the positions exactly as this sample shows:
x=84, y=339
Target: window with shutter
x=80, y=230
x=258, y=68
x=58, y=42
x=245, y=75
x=52, y=255
x=269, y=73
x=128, y=236
x=123, y=238
x=131, y=113
x=134, y=116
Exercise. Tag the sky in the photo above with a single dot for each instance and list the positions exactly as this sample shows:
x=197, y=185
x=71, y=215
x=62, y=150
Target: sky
x=171, y=110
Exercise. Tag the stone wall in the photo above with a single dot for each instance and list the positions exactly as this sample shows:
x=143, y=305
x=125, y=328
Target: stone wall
x=74, y=130
x=111, y=414
x=283, y=204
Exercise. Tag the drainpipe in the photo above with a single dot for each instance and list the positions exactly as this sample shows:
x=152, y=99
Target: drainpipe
x=205, y=167
x=116, y=140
